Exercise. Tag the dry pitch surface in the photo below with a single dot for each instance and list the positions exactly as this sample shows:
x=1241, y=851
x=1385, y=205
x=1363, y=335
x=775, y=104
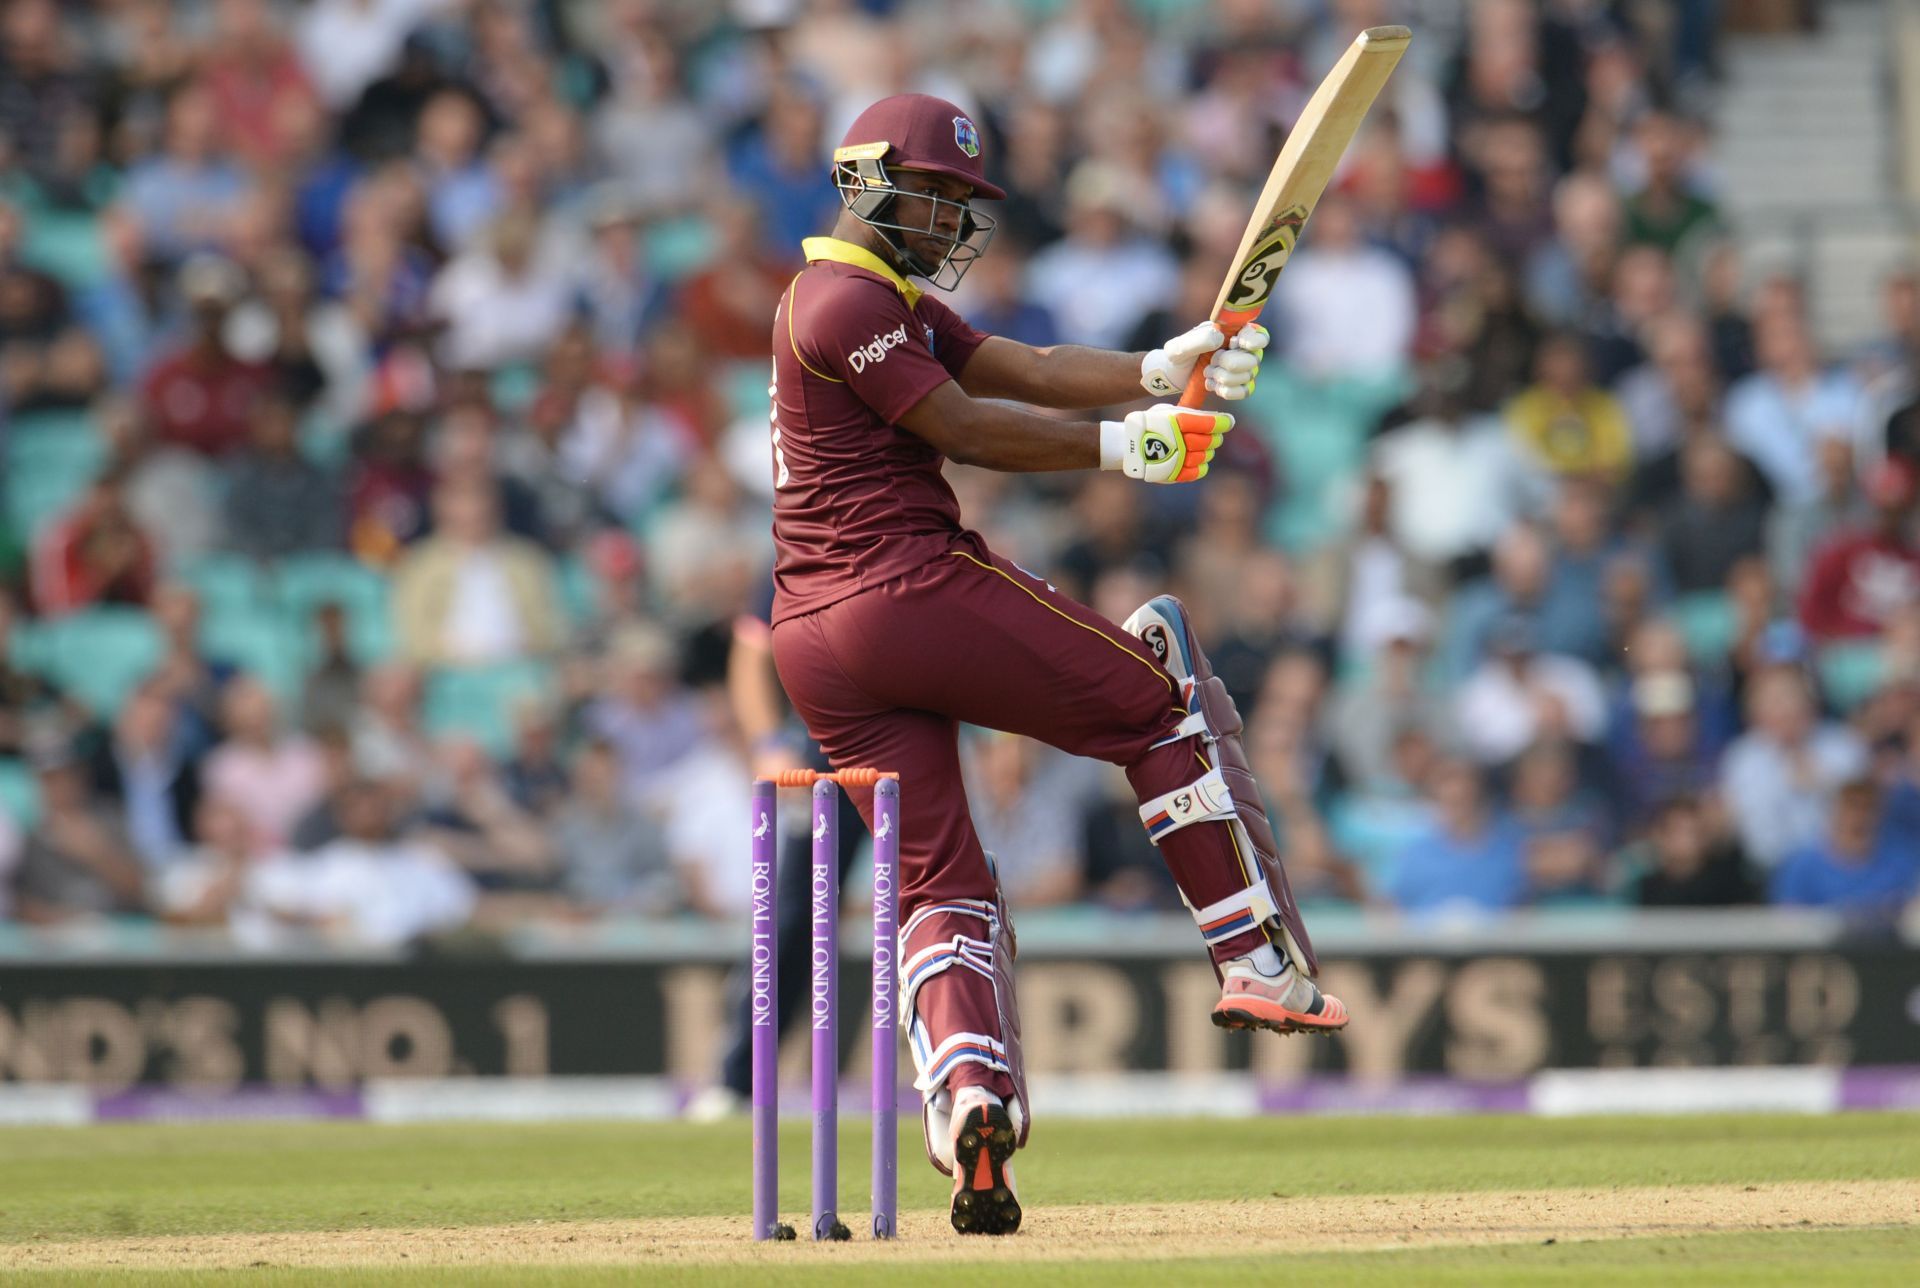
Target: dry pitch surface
x=1747, y=1199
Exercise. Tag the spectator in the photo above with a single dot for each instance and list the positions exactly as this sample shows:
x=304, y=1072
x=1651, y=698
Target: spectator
x=1346, y=309
x=388, y=739
x=1664, y=750
x=1864, y=578
x=1100, y=278
x=200, y=396
x=76, y=861
x=1717, y=523
x=1778, y=413
x=1519, y=695
x=187, y=198
x=1468, y=860
x=995, y=299
x=388, y=487
x=776, y=165
x=41, y=92
x=611, y=856
x=500, y=303
x=641, y=712
x=191, y=677
x=1567, y=619
x=260, y=93
x=206, y=886
x=25, y=697
x=1027, y=803
x=278, y=502
x=1683, y=863
x=618, y=294
x=369, y=888
x=93, y=555
x=470, y=596
x=1568, y=277
x=476, y=823
x=1385, y=697
x=1564, y=424
x=1676, y=392
x=1315, y=867
x=145, y=767
x=1859, y=867
x=1357, y=583
x=1666, y=212
x=1455, y=476
x=1796, y=531
x=1779, y=777
x=273, y=777
x=534, y=775
x=728, y=304
x=46, y=361
x=334, y=683
x=1562, y=826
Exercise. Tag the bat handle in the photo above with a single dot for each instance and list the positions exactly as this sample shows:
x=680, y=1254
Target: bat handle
x=1229, y=321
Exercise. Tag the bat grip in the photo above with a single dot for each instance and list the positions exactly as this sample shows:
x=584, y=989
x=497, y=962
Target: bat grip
x=1196, y=391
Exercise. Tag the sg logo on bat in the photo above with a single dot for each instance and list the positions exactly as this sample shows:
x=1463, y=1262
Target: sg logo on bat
x=1270, y=255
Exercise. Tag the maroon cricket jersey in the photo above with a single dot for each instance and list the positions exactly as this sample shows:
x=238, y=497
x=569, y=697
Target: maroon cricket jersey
x=857, y=500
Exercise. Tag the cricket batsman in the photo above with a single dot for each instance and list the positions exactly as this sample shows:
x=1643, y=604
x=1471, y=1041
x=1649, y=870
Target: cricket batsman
x=892, y=624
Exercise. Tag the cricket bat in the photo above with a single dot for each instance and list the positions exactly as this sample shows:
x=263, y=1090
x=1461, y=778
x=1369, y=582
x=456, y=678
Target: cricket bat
x=1307, y=162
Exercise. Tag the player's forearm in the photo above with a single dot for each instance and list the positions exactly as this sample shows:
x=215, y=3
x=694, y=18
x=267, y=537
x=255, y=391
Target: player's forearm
x=1061, y=376
x=1013, y=440
x=999, y=435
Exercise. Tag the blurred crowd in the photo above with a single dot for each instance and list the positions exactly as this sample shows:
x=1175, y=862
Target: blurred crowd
x=383, y=387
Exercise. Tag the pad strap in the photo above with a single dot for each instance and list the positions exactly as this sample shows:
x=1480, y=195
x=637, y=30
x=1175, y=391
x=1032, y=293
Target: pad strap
x=958, y=1049
x=1203, y=800
x=1193, y=724
x=1241, y=910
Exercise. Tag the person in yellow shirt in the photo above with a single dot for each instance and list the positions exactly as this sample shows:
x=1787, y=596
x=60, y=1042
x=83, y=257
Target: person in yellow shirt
x=1563, y=423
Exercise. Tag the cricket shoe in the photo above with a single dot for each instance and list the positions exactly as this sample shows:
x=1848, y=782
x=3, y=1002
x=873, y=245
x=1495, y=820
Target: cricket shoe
x=1288, y=1002
x=984, y=1198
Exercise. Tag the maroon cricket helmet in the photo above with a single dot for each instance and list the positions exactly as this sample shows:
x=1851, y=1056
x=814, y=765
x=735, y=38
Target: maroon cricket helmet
x=920, y=132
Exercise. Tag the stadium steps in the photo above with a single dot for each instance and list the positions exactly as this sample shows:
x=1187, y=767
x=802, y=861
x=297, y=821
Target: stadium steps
x=1805, y=152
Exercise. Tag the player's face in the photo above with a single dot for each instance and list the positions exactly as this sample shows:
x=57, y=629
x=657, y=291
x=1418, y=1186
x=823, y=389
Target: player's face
x=941, y=219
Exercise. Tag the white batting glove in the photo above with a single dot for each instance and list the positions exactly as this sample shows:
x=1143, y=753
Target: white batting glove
x=1232, y=369
x=1164, y=372
x=1163, y=444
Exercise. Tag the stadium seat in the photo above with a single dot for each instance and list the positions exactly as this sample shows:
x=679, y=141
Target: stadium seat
x=578, y=590
x=1849, y=673
x=100, y=655
x=1708, y=622
x=19, y=793
x=51, y=458
x=261, y=641
x=747, y=390
x=227, y=584
x=678, y=248
x=308, y=581
x=478, y=702
x=66, y=245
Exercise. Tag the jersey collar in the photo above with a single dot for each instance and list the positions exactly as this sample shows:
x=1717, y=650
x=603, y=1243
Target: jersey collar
x=845, y=252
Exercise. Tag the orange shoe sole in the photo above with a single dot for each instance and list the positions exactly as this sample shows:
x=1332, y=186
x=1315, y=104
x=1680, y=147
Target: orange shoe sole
x=983, y=1199
x=1245, y=1012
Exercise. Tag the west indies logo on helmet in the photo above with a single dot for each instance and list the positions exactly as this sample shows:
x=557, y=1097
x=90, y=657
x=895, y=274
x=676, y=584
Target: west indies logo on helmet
x=917, y=133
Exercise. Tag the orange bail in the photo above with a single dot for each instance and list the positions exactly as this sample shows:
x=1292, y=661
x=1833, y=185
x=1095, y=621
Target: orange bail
x=845, y=777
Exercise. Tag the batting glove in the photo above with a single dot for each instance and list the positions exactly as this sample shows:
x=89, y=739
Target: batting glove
x=1231, y=368
x=1163, y=444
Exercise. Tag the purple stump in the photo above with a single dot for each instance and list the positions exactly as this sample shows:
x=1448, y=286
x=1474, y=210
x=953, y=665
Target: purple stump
x=822, y=1009
x=886, y=932
x=763, y=964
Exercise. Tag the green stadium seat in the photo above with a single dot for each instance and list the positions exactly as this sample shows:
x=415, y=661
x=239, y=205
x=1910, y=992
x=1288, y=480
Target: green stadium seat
x=262, y=642
x=1708, y=623
x=479, y=702
x=308, y=581
x=747, y=390
x=66, y=245
x=100, y=655
x=51, y=458
x=679, y=247
x=1849, y=673
x=578, y=589
x=227, y=584
x=19, y=793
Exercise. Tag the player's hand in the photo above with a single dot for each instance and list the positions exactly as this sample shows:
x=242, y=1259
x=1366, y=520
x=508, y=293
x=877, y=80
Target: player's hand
x=1234, y=367
x=1163, y=444
x=1231, y=368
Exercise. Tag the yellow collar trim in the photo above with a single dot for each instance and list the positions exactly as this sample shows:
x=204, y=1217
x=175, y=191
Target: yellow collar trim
x=845, y=252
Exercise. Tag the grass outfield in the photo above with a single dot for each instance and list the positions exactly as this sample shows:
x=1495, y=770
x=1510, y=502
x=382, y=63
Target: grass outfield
x=1740, y=1199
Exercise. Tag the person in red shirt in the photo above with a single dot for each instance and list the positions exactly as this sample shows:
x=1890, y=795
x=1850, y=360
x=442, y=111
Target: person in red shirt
x=1864, y=578
x=893, y=625
x=93, y=554
x=200, y=396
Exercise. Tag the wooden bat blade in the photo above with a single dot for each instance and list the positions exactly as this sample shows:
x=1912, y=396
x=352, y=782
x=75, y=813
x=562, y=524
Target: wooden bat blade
x=1306, y=164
